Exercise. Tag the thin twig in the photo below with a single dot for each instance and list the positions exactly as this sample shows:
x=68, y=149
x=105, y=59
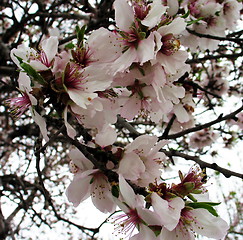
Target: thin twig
x=206, y=125
x=227, y=173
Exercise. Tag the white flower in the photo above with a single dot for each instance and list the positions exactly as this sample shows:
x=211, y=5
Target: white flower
x=142, y=160
x=89, y=182
x=200, y=221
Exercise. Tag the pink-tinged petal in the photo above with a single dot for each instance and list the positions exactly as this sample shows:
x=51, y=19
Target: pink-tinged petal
x=173, y=7
x=101, y=195
x=106, y=137
x=175, y=27
x=169, y=212
x=96, y=80
x=24, y=82
x=131, y=108
x=78, y=190
x=37, y=65
x=148, y=216
x=145, y=233
x=157, y=147
x=80, y=97
x=179, y=233
x=124, y=61
x=50, y=46
x=173, y=62
x=131, y=166
x=23, y=52
x=145, y=49
x=81, y=161
x=124, y=16
x=99, y=41
x=208, y=225
x=70, y=130
x=40, y=121
x=127, y=193
x=181, y=113
x=154, y=15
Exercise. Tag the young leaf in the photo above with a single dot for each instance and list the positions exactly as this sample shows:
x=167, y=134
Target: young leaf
x=32, y=73
x=205, y=205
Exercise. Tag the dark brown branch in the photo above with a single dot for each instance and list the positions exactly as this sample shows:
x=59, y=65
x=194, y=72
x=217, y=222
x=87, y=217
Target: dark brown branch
x=206, y=125
x=209, y=57
x=201, y=35
x=227, y=173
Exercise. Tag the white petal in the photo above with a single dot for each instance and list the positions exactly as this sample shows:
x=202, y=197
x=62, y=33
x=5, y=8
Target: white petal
x=181, y=113
x=154, y=15
x=175, y=27
x=101, y=195
x=173, y=7
x=145, y=49
x=179, y=233
x=80, y=97
x=40, y=121
x=169, y=212
x=81, y=161
x=131, y=166
x=50, y=46
x=208, y=225
x=124, y=16
x=127, y=193
x=79, y=188
x=70, y=130
x=106, y=137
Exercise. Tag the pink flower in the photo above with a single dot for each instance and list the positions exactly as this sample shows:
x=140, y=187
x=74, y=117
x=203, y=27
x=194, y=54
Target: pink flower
x=81, y=84
x=142, y=160
x=40, y=60
x=19, y=105
x=89, y=182
x=168, y=211
x=200, y=221
x=27, y=102
x=135, y=214
x=192, y=182
x=137, y=45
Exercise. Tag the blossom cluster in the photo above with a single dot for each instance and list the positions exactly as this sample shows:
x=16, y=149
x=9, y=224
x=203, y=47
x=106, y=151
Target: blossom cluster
x=131, y=71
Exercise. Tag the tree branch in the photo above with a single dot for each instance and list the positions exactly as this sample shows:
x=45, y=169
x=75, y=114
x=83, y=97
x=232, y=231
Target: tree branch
x=200, y=127
x=201, y=35
x=227, y=173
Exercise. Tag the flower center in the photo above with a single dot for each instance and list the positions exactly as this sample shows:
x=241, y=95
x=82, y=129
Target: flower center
x=73, y=78
x=19, y=105
x=170, y=44
x=127, y=222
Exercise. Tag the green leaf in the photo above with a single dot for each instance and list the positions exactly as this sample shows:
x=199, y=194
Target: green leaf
x=156, y=229
x=91, y=180
x=186, y=14
x=69, y=46
x=205, y=205
x=194, y=21
x=32, y=73
x=115, y=191
x=80, y=35
x=19, y=59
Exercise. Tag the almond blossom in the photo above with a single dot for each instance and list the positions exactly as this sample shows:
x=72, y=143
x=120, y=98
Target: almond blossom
x=142, y=160
x=40, y=60
x=135, y=214
x=88, y=182
x=199, y=221
x=138, y=45
x=27, y=101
